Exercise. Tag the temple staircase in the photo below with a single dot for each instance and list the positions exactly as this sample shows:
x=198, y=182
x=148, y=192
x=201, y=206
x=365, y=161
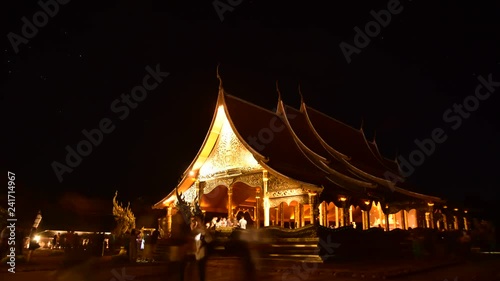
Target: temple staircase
x=292, y=249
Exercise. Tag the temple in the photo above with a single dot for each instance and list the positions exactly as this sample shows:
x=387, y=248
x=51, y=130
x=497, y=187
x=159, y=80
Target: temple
x=290, y=168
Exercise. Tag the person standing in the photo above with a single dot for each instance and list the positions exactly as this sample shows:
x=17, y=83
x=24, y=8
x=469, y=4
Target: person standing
x=33, y=244
x=181, y=241
x=243, y=223
x=203, y=239
x=154, y=240
x=132, y=246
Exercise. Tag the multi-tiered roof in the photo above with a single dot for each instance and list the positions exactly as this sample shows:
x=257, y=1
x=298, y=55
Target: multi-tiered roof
x=309, y=147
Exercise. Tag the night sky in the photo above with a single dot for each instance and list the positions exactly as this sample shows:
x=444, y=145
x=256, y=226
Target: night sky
x=75, y=67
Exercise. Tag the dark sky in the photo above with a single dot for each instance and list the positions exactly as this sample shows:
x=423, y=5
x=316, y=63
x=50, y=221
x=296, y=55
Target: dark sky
x=65, y=78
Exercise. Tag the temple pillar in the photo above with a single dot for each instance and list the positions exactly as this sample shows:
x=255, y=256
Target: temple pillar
x=455, y=222
x=313, y=204
x=230, y=202
x=445, y=221
x=403, y=219
x=431, y=215
x=295, y=216
x=257, y=207
x=282, y=214
x=350, y=215
x=325, y=214
x=466, y=223
x=321, y=214
x=363, y=219
x=266, y=204
x=367, y=219
x=407, y=222
x=387, y=227
x=277, y=214
x=169, y=219
x=302, y=217
x=337, y=222
x=345, y=217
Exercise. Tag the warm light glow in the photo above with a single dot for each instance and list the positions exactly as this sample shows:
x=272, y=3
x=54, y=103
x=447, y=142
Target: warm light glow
x=456, y=209
x=37, y=238
x=445, y=207
x=465, y=211
x=367, y=202
x=228, y=152
x=192, y=173
x=343, y=199
x=430, y=204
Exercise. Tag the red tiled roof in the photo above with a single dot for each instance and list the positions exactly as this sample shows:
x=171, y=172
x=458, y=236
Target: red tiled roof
x=260, y=128
x=299, y=125
x=347, y=140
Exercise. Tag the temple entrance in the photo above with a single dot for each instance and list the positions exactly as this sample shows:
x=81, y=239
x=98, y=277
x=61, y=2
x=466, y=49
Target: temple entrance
x=230, y=203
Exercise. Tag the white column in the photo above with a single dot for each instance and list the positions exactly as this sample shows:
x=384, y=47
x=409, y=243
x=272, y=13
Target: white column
x=265, y=198
x=350, y=214
x=321, y=214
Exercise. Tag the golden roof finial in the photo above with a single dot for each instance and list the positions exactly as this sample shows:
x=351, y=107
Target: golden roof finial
x=301, y=96
x=278, y=90
x=218, y=76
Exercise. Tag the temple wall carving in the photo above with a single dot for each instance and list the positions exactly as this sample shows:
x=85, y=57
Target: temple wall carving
x=228, y=156
x=190, y=194
x=252, y=180
x=209, y=185
x=301, y=199
x=279, y=184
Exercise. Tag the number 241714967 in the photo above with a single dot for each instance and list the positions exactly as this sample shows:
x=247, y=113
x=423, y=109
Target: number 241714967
x=11, y=186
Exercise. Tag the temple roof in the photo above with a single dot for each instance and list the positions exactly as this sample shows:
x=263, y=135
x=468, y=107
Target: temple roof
x=303, y=145
x=266, y=133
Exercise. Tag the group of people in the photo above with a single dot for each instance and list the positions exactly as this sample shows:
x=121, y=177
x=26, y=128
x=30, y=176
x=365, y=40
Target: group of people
x=140, y=240
x=193, y=244
x=217, y=223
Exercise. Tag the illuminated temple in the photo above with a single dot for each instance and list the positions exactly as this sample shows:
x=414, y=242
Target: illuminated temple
x=290, y=168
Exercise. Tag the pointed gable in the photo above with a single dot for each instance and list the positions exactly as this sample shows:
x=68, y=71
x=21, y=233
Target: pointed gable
x=228, y=154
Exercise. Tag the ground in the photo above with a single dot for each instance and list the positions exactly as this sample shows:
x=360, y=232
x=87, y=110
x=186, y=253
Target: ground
x=478, y=268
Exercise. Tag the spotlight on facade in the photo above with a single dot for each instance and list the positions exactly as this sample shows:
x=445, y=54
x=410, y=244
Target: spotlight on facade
x=343, y=199
x=456, y=209
x=192, y=173
x=430, y=204
x=367, y=202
